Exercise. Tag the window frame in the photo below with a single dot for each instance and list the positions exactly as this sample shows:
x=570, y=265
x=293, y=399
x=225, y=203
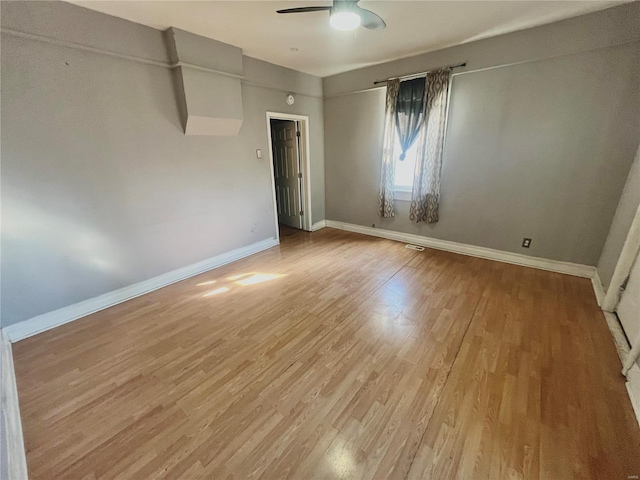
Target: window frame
x=403, y=194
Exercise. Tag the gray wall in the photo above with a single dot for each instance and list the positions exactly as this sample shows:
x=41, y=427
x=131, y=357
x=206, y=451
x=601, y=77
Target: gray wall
x=625, y=213
x=100, y=187
x=538, y=149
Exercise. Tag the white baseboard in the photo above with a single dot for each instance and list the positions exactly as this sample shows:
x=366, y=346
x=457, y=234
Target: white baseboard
x=622, y=347
x=575, y=269
x=16, y=457
x=619, y=338
x=598, y=289
x=318, y=225
x=46, y=321
x=633, y=387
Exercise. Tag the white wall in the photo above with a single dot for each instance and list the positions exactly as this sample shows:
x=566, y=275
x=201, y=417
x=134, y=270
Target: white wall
x=100, y=187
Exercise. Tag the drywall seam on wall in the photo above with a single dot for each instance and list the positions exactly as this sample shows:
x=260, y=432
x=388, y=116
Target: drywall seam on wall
x=16, y=467
x=40, y=323
x=568, y=268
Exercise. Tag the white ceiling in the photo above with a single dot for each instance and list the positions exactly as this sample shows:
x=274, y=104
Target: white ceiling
x=412, y=26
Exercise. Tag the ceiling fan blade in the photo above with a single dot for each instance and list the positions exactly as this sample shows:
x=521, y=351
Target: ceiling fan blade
x=304, y=9
x=370, y=20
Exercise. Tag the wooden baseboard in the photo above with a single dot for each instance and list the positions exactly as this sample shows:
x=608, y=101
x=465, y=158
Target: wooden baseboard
x=47, y=321
x=16, y=467
x=574, y=269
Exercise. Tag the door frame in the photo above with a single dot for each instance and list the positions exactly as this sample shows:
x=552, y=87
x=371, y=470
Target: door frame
x=305, y=163
x=629, y=356
x=627, y=256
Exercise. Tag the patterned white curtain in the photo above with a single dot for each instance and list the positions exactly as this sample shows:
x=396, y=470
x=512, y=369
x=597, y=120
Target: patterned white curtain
x=387, y=177
x=425, y=197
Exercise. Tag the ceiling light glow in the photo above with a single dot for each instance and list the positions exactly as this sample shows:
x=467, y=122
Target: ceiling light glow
x=344, y=21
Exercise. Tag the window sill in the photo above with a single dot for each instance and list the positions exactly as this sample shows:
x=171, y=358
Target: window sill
x=402, y=195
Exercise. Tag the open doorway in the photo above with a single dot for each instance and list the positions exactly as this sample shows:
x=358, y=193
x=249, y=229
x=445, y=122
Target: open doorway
x=289, y=156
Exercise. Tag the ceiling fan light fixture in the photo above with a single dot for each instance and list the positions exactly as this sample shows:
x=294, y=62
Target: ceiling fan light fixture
x=344, y=20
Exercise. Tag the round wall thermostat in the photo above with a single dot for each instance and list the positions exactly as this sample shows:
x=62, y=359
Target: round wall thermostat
x=290, y=99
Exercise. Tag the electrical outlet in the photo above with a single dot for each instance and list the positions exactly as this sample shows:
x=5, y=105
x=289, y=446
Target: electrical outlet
x=526, y=243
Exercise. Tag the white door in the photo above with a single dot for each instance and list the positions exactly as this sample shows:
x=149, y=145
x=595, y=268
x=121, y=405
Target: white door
x=628, y=308
x=286, y=169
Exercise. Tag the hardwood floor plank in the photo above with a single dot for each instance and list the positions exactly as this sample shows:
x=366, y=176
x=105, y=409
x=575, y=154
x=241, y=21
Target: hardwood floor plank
x=334, y=355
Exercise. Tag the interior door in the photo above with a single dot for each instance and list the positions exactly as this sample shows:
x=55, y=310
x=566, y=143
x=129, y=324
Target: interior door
x=628, y=308
x=286, y=169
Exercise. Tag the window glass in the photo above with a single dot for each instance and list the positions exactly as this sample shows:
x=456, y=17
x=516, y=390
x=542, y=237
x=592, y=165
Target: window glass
x=406, y=167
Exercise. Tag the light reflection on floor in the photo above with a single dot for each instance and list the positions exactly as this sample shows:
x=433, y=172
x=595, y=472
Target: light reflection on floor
x=243, y=279
x=216, y=291
x=258, y=278
x=237, y=277
x=341, y=461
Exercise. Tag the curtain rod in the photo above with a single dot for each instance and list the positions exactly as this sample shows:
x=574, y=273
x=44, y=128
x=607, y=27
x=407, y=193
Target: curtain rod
x=464, y=64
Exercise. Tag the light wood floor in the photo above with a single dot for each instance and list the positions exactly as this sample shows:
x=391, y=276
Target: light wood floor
x=362, y=360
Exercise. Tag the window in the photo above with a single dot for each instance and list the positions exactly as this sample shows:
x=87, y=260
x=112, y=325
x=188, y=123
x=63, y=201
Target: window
x=420, y=103
x=403, y=182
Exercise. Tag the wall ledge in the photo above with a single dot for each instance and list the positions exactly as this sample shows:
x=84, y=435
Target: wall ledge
x=253, y=81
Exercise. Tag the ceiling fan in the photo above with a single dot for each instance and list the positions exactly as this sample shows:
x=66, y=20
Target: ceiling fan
x=345, y=15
